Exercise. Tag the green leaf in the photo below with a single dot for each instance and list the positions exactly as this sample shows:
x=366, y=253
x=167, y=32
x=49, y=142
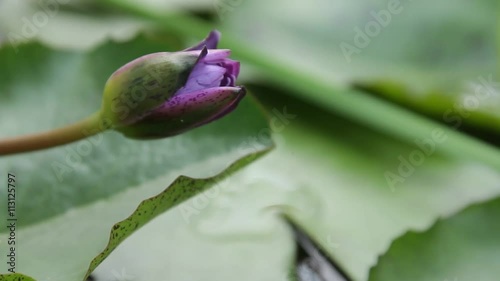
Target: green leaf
x=332, y=174
x=56, y=188
x=51, y=23
x=426, y=55
x=462, y=247
x=15, y=277
x=69, y=257
x=443, y=38
x=54, y=22
x=472, y=109
x=179, y=191
x=327, y=173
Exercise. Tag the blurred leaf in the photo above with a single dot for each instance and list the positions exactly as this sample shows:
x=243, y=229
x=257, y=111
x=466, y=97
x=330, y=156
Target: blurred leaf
x=463, y=247
x=165, y=6
x=473, y=110
x=55, y=88
x=50, y=23
x=328, y=174
x=79, y=25
x=336, y=176
x=430, y=56
x=43, y=89
x=179, y=191
x=423, y=42
x=69, y=257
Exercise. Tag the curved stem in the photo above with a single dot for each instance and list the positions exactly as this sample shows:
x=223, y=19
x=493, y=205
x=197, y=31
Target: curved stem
x=77, y=131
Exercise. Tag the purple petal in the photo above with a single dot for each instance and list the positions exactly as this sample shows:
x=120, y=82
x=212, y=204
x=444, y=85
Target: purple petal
x=203, y=76
x=205, y=99
x=183, y=113
x=186, y=112
x=232, y=67
x=229, y=107
x=210, y=56
x=207, y=73
x=232, y=71
x=210, y=41
x=217, y=55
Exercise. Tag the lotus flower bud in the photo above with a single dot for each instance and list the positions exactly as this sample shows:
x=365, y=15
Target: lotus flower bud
x=144, y=84
x=164, y=94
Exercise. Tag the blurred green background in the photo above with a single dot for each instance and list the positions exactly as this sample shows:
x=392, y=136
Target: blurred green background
x=385, y=117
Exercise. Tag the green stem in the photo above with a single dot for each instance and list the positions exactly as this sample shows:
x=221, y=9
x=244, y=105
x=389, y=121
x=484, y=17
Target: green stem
x=77, y=131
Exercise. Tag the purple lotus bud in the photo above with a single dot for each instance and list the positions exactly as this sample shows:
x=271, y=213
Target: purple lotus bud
x=165, y=94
